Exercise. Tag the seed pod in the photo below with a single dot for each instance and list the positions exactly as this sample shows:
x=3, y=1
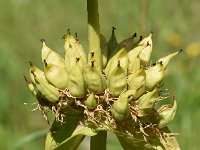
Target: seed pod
x=137, y=81
x=56, y=75
x=48, y=91
x=146, y=103
x=90, y=102
x=120, y=109
x=117, y=82
x=76, y=85
x=154, y=75
x=128, y=95
x=166, y=114
x=94, y=80
x=127, y=44
x=104, y=50
x=73, y=50
x=145, y=54
x=134, y=61
x=80, y=52
x=39, y=73
x=112, y=43
x=51, y=56
x=69, y=40
x=112, y=63
x=165, y=60
x=42, y=101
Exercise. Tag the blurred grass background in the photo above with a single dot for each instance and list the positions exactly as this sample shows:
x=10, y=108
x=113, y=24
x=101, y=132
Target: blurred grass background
x=23, y=23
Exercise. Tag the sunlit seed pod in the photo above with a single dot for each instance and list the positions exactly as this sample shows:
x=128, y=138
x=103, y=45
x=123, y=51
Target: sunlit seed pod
x=121, y=56
x=165, y=60
x=104, y=50
x=134, y=61
x=112, y=43
x=56, y=75
x=38, y=72
x=117, y=82
x=146, y=103
x=166, y=114
x=137, y=81
x=80, y=52
x=73, y=50
x=120, y=110
x=90, y=102
x=70, y=59
x=51, y=56
x=145, y=54
x=42, y=101
x=76, y=84
x=48, y=91
x=69, y=40
x=94, y=80
x=154, y=75
x=128, y=95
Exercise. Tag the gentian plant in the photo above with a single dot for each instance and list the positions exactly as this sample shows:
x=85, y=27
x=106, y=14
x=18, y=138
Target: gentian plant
x=113, y=87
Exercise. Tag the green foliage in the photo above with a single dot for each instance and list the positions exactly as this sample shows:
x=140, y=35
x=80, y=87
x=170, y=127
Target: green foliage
x=24, y=22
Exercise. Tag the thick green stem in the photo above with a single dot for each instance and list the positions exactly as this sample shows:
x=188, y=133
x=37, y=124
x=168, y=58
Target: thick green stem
x=94, y=33
x=98, y=142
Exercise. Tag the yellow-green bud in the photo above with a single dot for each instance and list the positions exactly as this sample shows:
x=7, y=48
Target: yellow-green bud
x=146, y=103
x=146, y=52
x=56, y=75
x=51, y=56
x=166, y=114
x=90, y=102
x=117, y=82
x=120, y=109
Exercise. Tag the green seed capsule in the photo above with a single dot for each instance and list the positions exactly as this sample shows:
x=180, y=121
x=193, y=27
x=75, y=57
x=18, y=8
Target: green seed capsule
x=51, y=56
x=146, y=103
x=134, y=61
x=154, y=75
x=137, y=81
x=112, y=43
x=90, y=102
x=165, y=60
x=42, y=101
x=94, y=80
x=117, y=82
x=145, y=54
x=112, y=63
x=56, y=75
x=73, y=50
x=47, y=90
x=104, y=50
x=166, y=114
x=128, y=95
x=76, y=85
x=38, y=72
x=120, y=109
x=69, y=40
x=128, y=43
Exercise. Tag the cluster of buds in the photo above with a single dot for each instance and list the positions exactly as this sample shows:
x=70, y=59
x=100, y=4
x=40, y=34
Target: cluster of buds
x=122, y=93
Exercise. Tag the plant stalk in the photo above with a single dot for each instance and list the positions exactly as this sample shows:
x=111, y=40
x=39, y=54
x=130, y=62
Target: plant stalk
x=94, y=34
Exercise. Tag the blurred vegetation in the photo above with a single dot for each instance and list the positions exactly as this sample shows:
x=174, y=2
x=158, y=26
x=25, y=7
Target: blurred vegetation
x=23, y=23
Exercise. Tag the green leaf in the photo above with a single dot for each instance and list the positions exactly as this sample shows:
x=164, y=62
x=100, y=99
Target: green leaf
x=130, y=143
x=98, y=142
x=168, y=142
x=60, y=132
x=76, y=138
